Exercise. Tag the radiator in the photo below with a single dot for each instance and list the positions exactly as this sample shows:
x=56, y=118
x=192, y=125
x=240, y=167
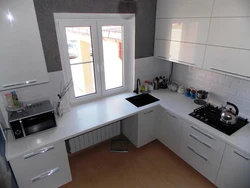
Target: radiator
x=94, y=137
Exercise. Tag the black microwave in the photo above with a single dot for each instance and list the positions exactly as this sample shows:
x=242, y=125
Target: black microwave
x=34, y=118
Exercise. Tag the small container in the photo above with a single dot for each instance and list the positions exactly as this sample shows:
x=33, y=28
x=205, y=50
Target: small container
x=187, y=93
x=193, y=94
x=9, y=100
x=143, y=88
x=146, y=85
x=15, y=99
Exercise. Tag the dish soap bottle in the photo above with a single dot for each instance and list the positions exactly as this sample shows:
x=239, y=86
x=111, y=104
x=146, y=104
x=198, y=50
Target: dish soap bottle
x=143, y=88
x=15, y=99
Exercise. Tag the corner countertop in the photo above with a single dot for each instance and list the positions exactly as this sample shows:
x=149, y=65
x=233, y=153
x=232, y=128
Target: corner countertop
x=89, y=116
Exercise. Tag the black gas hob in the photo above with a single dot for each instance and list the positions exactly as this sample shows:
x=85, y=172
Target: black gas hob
x=210, y=115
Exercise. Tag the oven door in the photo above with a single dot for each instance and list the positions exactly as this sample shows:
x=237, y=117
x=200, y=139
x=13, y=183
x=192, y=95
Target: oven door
x=39, y=123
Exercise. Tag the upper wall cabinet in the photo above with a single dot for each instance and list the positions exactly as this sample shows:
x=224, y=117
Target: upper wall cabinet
x=224, y=8
x=21, y=53
x=194, y=30
x=230, y=32
x=184, y=8
x=180, y=52
x=234, y=62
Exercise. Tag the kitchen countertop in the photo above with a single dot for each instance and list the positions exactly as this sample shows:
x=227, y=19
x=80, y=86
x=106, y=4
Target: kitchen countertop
x=89, y=116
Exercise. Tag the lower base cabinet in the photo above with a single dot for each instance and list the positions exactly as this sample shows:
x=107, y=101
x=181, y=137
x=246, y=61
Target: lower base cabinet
x=234, y=170
x=46, y=167
x=168, y=131
x=140, y=129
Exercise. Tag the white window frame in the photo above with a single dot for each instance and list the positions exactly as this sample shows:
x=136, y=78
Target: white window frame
x=63, y=20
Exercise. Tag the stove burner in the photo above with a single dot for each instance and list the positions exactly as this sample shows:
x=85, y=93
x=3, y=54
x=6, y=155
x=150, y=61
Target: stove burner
x=210, y=115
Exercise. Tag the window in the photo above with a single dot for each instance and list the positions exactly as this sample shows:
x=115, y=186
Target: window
x=97, y=54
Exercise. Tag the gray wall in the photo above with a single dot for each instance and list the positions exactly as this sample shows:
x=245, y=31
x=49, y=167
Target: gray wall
x=145, y=24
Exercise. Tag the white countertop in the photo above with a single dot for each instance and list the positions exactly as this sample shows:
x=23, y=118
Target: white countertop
x=86, y=117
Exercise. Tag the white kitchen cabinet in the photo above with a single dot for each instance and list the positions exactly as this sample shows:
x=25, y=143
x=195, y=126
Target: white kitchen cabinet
x=230, y=32
x=45, y=167
x=21, y=52
x=230, y=8
x=184, y=8
x=234, y=170
x=180, y=52
x=201, y=150
x=194, y=30
x=234, y=62
x=168, y=130
x=140, y=128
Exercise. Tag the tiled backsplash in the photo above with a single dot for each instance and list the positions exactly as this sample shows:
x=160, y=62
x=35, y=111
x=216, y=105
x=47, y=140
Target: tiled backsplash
x=148, y=68
x=222, y=88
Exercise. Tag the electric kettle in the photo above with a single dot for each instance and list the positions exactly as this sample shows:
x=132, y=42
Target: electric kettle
x=228, y=115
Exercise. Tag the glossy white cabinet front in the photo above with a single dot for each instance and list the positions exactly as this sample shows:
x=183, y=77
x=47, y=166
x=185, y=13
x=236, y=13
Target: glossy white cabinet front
x=184, y=8
x=230, y=61
x=180, y=52
x=230, y=32
x=224, y=8
x=194, y=30
x=22, y=57
x=234, y=169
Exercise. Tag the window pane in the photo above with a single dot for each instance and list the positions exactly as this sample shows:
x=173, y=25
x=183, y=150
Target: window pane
x=79, y=42
x=83, y=78
x=113, y=56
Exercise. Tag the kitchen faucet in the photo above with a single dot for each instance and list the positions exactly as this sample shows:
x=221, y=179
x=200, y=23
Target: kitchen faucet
x=138, y=83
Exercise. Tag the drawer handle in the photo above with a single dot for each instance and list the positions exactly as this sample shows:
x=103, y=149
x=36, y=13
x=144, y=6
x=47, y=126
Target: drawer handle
x=201, y=156
x=204, y=143
x=149, y=112
x=241, y=155
x=171, y=115
x=41, y=151
x=19, y=84
x=205, y=134
x=45, y=174
x=229, y=72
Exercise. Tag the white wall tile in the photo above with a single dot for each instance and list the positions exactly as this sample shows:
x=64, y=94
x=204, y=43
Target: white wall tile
x=222, y=88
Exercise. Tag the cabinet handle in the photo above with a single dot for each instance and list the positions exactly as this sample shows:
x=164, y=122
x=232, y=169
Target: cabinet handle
x=148, y=112
x=201, y=156
x=241, y=155
x=204, y=143
x=45, y=174
x=205, y=134
x=43, y=150
x=219, y=70
x=20, y=83
x=171, y=115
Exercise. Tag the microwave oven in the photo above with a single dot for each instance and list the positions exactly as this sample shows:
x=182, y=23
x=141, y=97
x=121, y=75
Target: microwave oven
x=34, y=118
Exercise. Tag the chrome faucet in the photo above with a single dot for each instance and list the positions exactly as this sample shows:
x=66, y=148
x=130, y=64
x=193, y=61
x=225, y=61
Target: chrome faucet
x=138, y=83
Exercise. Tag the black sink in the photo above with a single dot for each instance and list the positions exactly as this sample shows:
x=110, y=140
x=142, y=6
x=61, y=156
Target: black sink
x=142, y=100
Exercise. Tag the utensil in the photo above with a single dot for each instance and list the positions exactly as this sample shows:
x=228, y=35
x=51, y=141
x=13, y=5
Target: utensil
x=229, y=116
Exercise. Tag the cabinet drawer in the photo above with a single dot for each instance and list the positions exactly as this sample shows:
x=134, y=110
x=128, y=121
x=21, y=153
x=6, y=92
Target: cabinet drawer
x=47, y=167
x=199, y=161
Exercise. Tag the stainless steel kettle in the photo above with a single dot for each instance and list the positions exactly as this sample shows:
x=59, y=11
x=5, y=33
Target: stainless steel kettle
x=230, y=116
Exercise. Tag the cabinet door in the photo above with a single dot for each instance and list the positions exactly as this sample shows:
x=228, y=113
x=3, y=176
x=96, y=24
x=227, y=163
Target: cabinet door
x=146, y=126
x=234, y=170
x=184, y=8
x=194, y=30
x=180, y=52
x=22, y=57
x=168, y=131
x=230, y=32
x=227, y=8
x=234, y=62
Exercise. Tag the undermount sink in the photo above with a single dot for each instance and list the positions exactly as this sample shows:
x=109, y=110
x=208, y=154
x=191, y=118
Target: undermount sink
x=142, y=100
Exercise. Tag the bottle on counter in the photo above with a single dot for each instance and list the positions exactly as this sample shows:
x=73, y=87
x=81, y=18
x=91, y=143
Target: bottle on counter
x=143, y=88
x=9, y=100
x=15, y=99
x=146, y=85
